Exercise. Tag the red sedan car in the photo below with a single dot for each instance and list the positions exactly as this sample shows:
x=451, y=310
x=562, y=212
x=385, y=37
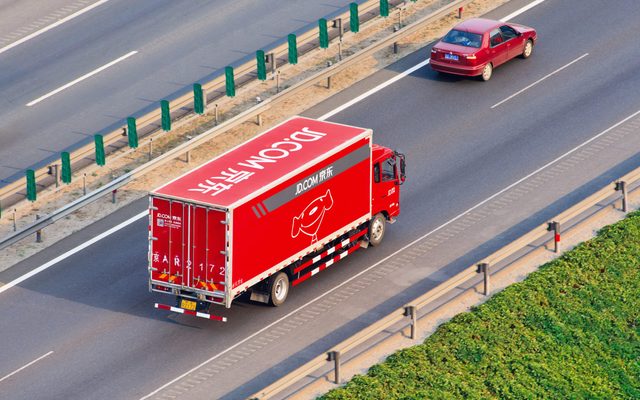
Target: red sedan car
x=477, y=46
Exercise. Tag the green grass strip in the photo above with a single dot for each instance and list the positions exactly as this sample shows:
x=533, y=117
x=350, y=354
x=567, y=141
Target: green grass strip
x=569, y=331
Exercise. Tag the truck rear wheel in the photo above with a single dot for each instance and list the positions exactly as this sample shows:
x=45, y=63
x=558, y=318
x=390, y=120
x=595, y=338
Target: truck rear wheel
x=376, y=229
x=278, y=289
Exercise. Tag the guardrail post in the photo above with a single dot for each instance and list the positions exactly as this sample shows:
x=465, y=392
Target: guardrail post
x=329, y=64
x=215, y=112
x=335, y=357
x=150, y=147
x=337, y=23
x=84, y=183
x=53, y=170
x=113, y=195
x=278, y=81
x=38, y=232
x=622, y=186
x=15, y=224
x=484, y=269
x=412, y=311
x=271, y=59
x=555, y=227
x=460, y=12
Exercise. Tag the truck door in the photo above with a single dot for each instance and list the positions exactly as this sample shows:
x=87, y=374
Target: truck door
x=386, y=195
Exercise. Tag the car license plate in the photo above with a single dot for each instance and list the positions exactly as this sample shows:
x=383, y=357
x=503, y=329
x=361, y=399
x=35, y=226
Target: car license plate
x=453, y=57
x=188, y=305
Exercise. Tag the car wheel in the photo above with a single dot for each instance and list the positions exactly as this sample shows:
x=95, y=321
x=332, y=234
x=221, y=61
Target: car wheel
x=528, y=49
x=278, y=289
x=376, y=230
x=487, y=71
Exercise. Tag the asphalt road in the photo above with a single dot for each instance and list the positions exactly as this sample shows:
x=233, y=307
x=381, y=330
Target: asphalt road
x=178, y=43
x=90, y=316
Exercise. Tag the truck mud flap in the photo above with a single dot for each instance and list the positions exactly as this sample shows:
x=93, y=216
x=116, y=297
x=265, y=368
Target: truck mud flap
x=189, y=312
x=320, y=262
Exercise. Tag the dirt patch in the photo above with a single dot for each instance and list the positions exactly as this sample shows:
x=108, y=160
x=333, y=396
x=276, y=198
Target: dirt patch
x=125, y=161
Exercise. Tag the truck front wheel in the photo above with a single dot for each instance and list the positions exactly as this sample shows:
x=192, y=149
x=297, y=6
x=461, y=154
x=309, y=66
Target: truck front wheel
x=278, y=289
x=376, y=229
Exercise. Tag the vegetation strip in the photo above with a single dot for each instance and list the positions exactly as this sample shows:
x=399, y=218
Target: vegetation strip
x=570, y=330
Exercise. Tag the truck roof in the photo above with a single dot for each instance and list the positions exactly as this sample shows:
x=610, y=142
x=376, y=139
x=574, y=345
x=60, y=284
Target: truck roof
x=260, y=163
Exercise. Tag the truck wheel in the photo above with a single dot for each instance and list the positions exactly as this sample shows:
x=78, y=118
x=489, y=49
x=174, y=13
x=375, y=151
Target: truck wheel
x=376, y=229
x=278, y=289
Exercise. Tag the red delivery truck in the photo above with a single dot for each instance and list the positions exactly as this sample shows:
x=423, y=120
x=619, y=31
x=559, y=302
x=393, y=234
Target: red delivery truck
x=270, y=213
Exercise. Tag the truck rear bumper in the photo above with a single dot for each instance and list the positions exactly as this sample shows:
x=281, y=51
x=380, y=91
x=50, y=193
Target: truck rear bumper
x=189, y=312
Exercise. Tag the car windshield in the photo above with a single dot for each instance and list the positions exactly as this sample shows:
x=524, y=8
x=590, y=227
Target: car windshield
x=463, y=38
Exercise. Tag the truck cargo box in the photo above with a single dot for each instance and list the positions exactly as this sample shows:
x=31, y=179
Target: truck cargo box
x=241, y=217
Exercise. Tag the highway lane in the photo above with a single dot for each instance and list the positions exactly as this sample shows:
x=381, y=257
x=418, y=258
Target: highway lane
x=108, y=342
x=178, y=43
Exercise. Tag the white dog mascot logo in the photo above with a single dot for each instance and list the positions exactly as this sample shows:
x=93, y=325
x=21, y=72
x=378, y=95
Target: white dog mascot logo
x=308, y=222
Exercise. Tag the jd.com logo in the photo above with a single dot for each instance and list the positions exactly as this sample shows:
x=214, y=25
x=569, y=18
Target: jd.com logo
x=309, y=221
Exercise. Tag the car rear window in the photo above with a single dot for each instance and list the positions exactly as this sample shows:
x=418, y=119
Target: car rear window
x=463, y=38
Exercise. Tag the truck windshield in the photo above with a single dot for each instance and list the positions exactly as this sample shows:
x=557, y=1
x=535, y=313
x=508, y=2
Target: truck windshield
x=463, y=38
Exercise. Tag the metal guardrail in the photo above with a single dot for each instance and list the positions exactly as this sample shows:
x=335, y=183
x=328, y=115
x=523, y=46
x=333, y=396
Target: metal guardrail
x=410, y=310
x=243, y=117
x=183, y=105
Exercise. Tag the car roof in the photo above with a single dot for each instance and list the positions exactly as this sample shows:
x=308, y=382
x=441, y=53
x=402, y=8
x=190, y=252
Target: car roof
x=477, y=25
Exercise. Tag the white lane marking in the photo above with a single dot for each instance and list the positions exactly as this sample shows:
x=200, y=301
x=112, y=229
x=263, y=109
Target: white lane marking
x=388, y=257
x=73, y=251
x=83, y=77
x=521, y=10
x=539, y=80
x=26, y=366
x=374, y=90
x=47, y=28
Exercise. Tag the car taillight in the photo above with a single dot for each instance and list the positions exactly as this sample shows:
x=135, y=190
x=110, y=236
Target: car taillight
x=470, y=56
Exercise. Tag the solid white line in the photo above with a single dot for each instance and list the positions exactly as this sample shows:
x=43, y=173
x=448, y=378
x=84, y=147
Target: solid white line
x=374, y=90
x=73, y=251
x=31, y=363
x=47, y=28
x=521, y=10
x=83, y=77
x=539, y=80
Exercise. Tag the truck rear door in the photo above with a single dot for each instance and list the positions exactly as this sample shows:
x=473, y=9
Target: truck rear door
x=187, y=246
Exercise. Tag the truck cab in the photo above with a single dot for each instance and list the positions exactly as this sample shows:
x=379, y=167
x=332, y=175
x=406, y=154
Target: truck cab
x=388, y=173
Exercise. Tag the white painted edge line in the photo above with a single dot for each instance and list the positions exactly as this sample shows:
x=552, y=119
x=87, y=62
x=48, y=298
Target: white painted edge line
x=55, y=24
x=26, y=366
x=392, y=255
x=83, y=77
x=539, y=80
x=521, y=10
x=73, y=251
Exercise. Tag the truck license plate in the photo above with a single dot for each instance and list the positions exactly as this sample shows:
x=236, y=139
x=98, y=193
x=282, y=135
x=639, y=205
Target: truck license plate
x=188, y=305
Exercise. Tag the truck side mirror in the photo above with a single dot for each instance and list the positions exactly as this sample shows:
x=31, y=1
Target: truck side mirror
x=403, y=166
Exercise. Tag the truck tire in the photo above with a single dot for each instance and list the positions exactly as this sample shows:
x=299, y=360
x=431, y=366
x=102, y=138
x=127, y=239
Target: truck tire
x=278, y=289
x=377, y=228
